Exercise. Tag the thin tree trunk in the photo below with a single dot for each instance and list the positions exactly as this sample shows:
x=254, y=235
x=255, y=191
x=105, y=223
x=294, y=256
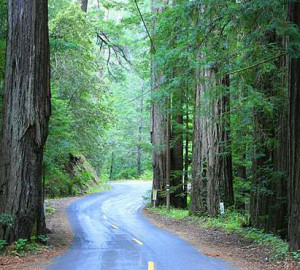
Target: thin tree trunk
x=294, y=141
x=177, y=194
x=168, y=157
x=26, y=115
x=186, y=158
x=111, y=171
x=140, y=134
x=226, y=157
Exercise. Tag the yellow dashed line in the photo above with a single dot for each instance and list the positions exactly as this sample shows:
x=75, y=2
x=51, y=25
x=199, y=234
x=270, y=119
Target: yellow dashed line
x=150, y=265
x=115, y=226
x=104, y=216
x=137, y=241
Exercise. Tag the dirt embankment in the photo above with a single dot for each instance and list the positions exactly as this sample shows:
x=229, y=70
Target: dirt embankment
x=60, y=239
x=239, y=252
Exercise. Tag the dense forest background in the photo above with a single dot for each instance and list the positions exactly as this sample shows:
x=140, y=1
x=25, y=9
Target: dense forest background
x=214, y=85
x=99, y=128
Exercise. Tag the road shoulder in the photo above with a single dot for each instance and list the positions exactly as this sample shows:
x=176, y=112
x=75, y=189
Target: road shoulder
x=241, y=253
x=60, y=239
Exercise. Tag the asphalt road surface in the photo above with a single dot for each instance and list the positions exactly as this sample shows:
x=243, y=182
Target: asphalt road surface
x=111, y=234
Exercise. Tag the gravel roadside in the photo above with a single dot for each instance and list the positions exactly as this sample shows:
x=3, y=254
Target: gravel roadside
x=239, y=252
x=60, y=239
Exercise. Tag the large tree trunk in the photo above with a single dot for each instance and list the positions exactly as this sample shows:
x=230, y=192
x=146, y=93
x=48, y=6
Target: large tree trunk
x=198, y=191
x=294, y=141
x=159, y=150
x=158, y=126
x=212, y=166
x=26, y=115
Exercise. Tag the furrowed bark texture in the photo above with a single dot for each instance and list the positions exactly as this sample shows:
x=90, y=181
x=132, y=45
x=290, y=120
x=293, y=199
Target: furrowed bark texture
x=158, y=126
x=26, y=115
x=294, y=141
x=212, y=166
x=159, y=150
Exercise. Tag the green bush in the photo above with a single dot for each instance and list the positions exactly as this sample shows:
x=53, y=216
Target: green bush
x=7, y=220
x=49, y=210
x=23, y=246
x=147, y=175
x=3, y=244
x=126, y=174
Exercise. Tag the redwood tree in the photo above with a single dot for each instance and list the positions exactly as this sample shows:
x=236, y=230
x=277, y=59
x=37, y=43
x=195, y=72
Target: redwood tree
x=294, y=140
x=25, y=116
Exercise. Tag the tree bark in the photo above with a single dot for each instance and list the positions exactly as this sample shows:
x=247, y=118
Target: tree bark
x=158, y=126
x=212, y=165
x=294, y=141
x=186, y=155
x=177, y=194
x=26, y=115
x=84, y=5
x=226, y=158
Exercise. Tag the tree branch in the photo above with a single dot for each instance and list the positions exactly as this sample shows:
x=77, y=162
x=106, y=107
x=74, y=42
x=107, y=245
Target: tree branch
x=257, y=64
x=148, y=33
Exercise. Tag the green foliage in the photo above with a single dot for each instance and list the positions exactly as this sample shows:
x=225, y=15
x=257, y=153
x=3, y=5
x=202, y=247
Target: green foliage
x=147, y=175
x=49, y=210
x=80, y=114
x=173, y=213
x=7, y=220
x=129, y=173
x=234, y=222
x=3, y=244
x=23, y=246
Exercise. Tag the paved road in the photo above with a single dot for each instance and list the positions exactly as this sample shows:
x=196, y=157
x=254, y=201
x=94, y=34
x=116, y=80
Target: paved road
x=111, y=234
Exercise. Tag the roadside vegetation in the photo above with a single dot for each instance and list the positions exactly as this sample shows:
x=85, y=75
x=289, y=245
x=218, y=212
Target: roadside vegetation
x=234, y=222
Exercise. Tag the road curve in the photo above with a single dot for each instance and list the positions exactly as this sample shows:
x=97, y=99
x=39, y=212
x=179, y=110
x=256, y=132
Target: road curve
x=111, y=234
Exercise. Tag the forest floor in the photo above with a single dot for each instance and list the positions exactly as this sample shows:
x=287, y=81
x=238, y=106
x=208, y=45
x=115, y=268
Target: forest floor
x=240, y=252
x=60, y=239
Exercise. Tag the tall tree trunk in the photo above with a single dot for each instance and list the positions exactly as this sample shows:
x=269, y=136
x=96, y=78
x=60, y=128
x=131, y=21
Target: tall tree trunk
x=198, y=191
x=212, y=166
x=26, y=115
x=158, y=126
x=177, y=194
x=140, y=133
x=186, y=155
x=268, y=195
x=227, y=184
x=277, y=201
x=294, y=141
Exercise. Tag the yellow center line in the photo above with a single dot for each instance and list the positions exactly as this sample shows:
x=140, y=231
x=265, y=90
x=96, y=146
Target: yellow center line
x=104, y=216
x=137, y=241
x=150, y=265
x=115, y=226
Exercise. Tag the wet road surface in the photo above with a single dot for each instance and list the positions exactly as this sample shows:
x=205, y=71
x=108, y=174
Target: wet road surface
x=111, y=234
